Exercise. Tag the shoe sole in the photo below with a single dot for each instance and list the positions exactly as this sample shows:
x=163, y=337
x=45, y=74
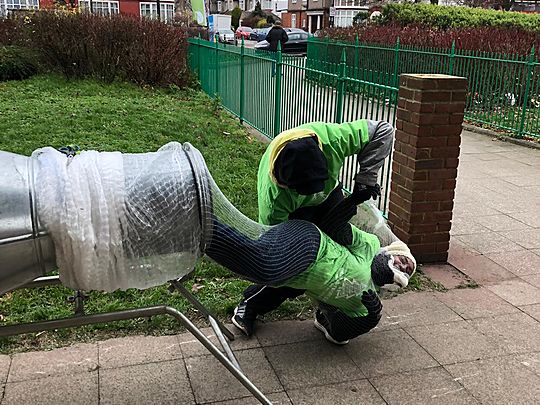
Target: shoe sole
x=327, y=335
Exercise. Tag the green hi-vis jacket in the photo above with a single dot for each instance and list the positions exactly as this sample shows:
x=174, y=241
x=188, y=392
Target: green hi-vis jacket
x=338, y=141
x=340, y=274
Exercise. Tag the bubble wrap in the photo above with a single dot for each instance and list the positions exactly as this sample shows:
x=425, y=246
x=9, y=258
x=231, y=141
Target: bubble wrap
x=117, y=220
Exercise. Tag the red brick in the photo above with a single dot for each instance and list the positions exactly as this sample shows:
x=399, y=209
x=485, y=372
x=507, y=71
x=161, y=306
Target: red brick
x=443, y=174
x=451, y=162
x=447, y=130
x=436, y=257
x=429, y=164
x=427, y=185
x=425, y=206
x=428, y=141
x=445, y=152
x=433, y=96
x=452, y=107
x=456, y=118
x=459, y=96
x=446, y=205
x=399, y=125
x=400, y=158
x=416, y=130
x=401, y=103
x=403, y=114
x=453, y=140
x=429, y=119
x=452, y=83
x=420, y=107
x=450, y=183
x=401, y=135
x=419, y=82
x=440, y=195
x=406, y=93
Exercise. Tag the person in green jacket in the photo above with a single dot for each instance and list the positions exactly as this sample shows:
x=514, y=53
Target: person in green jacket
x=341, y=279
x=298, y=178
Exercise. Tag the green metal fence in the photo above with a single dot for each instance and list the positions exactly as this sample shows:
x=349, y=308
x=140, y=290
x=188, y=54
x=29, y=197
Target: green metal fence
x=504, y=90
x=273, y=92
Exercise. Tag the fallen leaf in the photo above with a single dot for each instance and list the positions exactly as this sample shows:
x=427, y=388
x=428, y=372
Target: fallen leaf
x=196, y=287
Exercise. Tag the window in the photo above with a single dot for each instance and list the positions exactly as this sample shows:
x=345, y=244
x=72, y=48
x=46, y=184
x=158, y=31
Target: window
x=149, y=10
x=344, y=18
x=7, y=5
x=293, y=20
x=266, y=5
x=242, y=4
x=219, y=6
x=100, y=7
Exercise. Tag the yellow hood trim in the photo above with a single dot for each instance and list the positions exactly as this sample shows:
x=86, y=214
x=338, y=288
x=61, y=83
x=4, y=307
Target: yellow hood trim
x=282, y=139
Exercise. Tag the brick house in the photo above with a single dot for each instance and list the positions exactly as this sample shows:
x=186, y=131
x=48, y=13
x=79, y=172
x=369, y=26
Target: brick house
x=139, y=8
x=296, y=16
x=318, y=14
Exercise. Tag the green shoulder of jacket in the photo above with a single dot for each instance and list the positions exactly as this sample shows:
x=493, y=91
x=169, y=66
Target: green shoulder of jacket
x=338, y=142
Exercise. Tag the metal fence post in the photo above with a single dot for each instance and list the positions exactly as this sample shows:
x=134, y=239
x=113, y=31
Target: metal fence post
x=530, y=71
x=199, y=56
x=341, y=87
x=452, y=56
x=356, y=56
x=241, y=113
x=277, y=92
x=216, y=65
x=395, y=77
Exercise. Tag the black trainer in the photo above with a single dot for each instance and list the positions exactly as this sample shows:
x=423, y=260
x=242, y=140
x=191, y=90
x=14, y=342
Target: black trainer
x=321, y=323
x=244, y=318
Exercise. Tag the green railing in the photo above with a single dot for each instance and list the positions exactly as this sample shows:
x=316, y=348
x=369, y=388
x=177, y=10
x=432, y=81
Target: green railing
x=273, y=92
x=504, y=90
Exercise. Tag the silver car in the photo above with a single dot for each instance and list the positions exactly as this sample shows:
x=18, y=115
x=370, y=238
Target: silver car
x=226, y=37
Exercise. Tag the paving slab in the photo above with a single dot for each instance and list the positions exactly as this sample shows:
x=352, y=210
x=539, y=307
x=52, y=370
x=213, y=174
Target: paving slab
x=69, y=360
x=529, y=239
x=445, y=275
x=472, y=303
x=5, y=362
x=480, y=268
x=429, y=386
x=466, y=226
x=531, y=361
x=280, y=398
x=490, y=242
x=152, y=383
x=128, y=351
x=285, y=332
x=76, y=389
x=514, y=333
x=387, y=352
x=211, y=381
x=307, y=364
x=454, y=342
x=531, y=218
x=191, y=346
x=532, y=310
x=350, y=392
x=501, y=223
x=499, y=381
x=534, y=280
x=411, y=309
x=516, y=292
x=520, y=263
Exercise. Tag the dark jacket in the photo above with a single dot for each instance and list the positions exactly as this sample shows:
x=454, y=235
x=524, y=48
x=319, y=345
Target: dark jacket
x=275, y=35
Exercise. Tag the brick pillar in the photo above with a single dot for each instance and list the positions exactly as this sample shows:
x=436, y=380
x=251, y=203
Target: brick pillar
x=424, y=168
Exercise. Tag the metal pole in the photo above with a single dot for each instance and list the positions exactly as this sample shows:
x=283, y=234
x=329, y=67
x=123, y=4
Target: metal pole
x=341, y=88
x=138, y=313
x=277, y=92
x=530, y=71
x=396, y=64
x=216, y=65
x=158, y=6
x=452, y=56
x=242, y=59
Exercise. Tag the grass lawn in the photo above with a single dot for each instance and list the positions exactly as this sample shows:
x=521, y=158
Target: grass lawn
x=47, y=110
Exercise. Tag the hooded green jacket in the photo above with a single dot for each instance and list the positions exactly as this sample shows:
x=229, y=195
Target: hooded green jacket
x=340, y=274
x=371, y=140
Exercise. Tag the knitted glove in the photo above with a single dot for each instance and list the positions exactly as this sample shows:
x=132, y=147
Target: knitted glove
x=373, y=304
x=336, y=222
x=363, y=192
x=381, y=273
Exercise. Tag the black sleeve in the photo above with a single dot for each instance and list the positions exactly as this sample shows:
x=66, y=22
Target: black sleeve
x=284, y=36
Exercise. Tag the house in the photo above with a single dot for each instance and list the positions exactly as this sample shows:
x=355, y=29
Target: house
x=318, y=14
x=139, y=8
x=296, y=16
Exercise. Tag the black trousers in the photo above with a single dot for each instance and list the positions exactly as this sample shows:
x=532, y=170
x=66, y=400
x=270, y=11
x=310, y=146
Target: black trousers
x=263, y=299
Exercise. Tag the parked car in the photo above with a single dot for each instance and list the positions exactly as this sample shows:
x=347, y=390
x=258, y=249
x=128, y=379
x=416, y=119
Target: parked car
x=297, y=43
x=259, y=34
x=243, y=32
x=226, y=37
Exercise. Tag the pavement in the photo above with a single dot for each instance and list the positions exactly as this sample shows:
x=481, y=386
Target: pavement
x=463, y=346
